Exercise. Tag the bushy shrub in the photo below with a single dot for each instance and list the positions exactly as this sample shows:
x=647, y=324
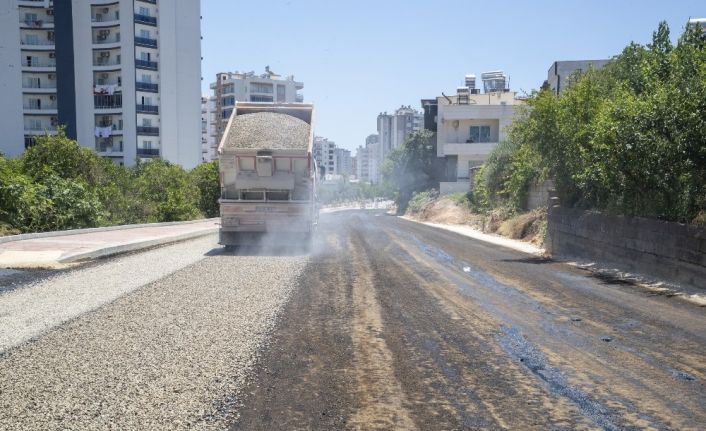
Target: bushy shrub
x=57, y=185
x=207, y=180
x=421, y=199
x=629, y=138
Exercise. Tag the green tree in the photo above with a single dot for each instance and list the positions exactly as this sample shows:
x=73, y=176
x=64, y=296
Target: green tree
x=411, y=168
x=165, y=192
x=206, y=178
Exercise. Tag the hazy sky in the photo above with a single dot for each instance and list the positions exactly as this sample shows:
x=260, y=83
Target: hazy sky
x=359, y=58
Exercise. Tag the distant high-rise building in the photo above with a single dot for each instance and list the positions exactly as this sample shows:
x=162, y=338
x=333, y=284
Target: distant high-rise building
x=231, y=87
x=209, y=145
x=123, y=77
x=393, y=129
x=325, y=154
x=344, y=164
x=367, y=160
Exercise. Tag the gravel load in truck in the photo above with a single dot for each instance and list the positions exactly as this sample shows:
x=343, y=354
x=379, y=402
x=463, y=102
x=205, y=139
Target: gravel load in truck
x=268, y=174
x=267, y=131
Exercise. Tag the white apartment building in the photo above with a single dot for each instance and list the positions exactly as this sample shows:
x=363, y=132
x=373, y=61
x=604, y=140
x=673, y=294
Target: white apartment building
x=362, y=168
x=470, y=125
x=209, y=145
x=122, y=76
x=231, y=87
x=344, y=162
x=367, y=160
x=325, y=154
x=393, y=129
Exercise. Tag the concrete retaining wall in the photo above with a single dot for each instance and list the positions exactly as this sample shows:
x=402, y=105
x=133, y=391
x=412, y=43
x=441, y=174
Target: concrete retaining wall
x=538, y=195
x=669, y=251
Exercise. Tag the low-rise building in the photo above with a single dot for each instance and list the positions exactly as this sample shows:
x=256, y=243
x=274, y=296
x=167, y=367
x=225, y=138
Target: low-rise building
x=470, y=124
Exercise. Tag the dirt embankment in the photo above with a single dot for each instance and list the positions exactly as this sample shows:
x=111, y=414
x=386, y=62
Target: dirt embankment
x=529, y=226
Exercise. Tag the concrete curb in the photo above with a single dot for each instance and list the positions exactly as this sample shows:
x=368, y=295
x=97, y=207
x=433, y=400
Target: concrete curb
x=24, y=236
x=135, y=246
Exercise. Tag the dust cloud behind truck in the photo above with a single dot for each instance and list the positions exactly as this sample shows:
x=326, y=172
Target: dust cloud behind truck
x=268, y=174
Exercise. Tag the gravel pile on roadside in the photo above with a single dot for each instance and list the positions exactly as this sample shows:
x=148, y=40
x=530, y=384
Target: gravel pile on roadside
x=267, y=130
x=172, y=355
x=34, y=308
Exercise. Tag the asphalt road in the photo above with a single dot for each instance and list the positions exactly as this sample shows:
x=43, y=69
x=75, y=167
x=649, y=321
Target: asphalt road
x=397, y=325
x=386, y=324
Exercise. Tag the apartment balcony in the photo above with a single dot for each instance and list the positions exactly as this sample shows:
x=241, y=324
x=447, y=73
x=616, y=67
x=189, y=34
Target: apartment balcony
x=107, y=101
x=103, y=20
x=145, y=64
x=37, y=44
x=108, y=147
x=39, y=64
x=31, y=3
x=150, y=152
x=40, y=130
x=106, y=63
x=299, y=98
x=35, y=87
x=474, y=151
x=37, y=23
x=147, y=86
x=115, y=128
x=39, y=108
x=147, y=109
x=145, y=19
x=148, y=131
x=107, y=41
x=146, y=42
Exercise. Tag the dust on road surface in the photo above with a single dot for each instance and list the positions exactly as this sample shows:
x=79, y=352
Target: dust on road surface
x=387, y=324
x=397, y=325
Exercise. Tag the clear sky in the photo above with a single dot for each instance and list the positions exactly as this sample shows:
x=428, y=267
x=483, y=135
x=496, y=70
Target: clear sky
x=359, y=58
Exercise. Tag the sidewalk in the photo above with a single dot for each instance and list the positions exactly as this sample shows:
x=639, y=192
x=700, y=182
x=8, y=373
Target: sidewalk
x=58, y=251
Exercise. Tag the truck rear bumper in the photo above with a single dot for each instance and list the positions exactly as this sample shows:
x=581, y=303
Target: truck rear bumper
x=284, y=217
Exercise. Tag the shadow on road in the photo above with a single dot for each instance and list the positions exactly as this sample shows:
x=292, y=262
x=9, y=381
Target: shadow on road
x=531, y=260
x=259, y=250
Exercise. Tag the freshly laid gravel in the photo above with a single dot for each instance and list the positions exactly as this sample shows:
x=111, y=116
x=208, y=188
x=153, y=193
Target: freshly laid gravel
x=33, y=309
x=268, y=130
x=173, y=355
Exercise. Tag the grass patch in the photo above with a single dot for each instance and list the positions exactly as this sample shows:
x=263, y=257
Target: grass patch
x=528, y=226
x=6, y=229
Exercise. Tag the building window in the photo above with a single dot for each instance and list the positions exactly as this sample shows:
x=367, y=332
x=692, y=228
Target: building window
x=479, y=134
x=281, y=91
x=228, y=101
x=261, y=88
x=261, y=98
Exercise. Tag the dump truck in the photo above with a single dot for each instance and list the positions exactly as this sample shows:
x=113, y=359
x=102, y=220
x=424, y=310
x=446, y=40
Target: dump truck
x=268, y=175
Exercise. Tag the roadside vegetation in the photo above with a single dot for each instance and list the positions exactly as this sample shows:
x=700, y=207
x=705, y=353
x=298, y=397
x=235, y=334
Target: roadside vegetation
x=628, y=139
x=57, y=184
